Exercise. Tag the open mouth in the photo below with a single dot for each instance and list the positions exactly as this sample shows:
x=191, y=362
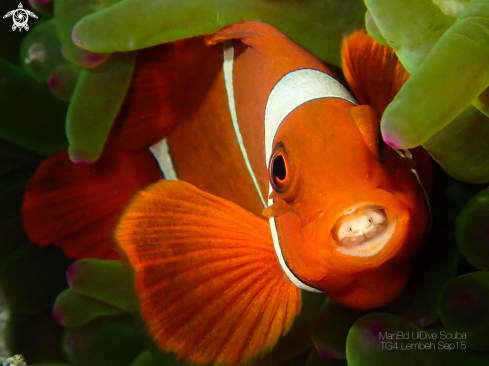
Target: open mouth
x=363, y=231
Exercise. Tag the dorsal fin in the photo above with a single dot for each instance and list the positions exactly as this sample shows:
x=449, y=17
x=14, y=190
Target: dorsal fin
x=159, y=96
x=373, y=72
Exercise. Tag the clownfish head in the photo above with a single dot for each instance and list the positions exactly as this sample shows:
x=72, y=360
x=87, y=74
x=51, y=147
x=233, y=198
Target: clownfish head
x=345, y=217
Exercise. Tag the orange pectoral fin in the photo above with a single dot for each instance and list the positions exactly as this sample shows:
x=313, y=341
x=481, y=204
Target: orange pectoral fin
x=373, y=72
x=209, y=284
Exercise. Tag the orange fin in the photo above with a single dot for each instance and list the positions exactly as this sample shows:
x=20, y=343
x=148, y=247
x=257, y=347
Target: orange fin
x=144, y=104
x=372, y=71
x=375, y=75
x=209, y=284
x=250, y=33
x=159, y=98
x=363, y=115
x=75, y=206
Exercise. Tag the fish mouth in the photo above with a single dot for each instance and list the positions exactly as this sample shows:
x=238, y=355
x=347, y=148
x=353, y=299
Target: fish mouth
x=363, y=231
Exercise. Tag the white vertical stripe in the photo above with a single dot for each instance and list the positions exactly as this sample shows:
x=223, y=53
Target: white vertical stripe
x=293, y=90
x=278, y=250
x=162, y=156
x=228, y=80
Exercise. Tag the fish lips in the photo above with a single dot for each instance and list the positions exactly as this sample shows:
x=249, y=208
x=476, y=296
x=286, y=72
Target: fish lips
x=329, y=261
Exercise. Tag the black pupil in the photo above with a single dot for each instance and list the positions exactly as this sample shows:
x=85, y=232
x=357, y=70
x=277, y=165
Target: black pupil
x=279, y=170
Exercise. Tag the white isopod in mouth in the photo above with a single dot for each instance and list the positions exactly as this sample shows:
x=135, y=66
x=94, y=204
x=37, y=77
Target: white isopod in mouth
x=362, y=231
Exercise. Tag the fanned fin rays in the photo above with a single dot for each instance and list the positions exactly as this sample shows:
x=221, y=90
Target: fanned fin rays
x=372, y=71
x=159, y=98
x=209, y=284
x=375, y=75
x=75, y=206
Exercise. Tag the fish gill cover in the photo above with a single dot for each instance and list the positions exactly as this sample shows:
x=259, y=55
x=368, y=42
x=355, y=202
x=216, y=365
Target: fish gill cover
x=76, y=111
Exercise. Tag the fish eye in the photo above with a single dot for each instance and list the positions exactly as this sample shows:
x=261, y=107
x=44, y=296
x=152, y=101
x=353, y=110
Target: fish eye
x=279, y=170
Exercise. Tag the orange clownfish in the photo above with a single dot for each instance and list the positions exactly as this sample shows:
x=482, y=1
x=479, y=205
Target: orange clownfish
x=276, y=181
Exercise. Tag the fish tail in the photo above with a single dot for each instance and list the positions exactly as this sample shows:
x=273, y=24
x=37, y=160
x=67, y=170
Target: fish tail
x=75, y=206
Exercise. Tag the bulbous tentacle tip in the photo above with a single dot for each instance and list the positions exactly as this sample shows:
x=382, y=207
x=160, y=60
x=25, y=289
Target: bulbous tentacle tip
x=401, y=130
x=72, y=340
x=58, y=317
x=392, y=139
x=81, y=56
x=80, y=161
x=392, y=144
x=71, y=272
x=62, y=81
x=91, y=60
x=373, y=29
x=45, y=7
x=472, y=231
x=75, y=37
x=79, y=158
x=41, y=2
x=53, y=82
x=326, y=354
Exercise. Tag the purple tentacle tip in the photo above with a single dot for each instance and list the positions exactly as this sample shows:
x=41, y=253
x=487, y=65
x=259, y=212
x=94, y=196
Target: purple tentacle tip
x=71, y=272
x=391, y=137
x=72, y=341
x=374, y=331
x=392, y=143
x=58, y=316
x=53, y=82
x=87, y=59
x=63, y=52
x=326, y=354
x=74, y=37
x=422, y=322
x=38, y=5
x=78, y=159
x=466, y=300
x=92, y=59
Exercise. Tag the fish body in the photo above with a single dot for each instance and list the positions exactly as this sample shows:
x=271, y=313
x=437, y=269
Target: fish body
x=333, y=169
x=276, y=181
